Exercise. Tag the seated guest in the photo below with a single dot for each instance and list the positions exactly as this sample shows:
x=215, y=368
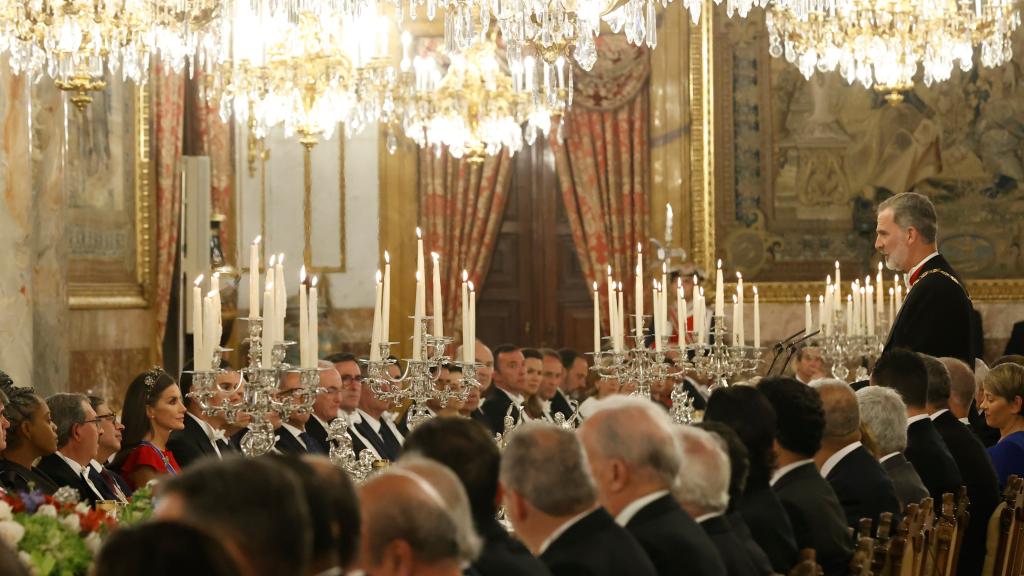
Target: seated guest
x=292, y=437
x=203, y=434
x=343, y=507
x=702, y=489
x=110, y=443
x=552, y=377
x=153, y=408
x=327, y=405
x=221, y=498
x=78, y=439
x=448, y=487
x=449, y=379
x=808, y=364
x=972, y=460
x=163, y=549
x=31, y=435
x=533, y=361
x=352, y=376
x=468, y=449
x=903, y=371
x=574, y=381
x=406, y=528
x=634, y=461
x=810, y=503
x=962, y=387
x=859, y=481
x=373, y=427
x=485, y=359
x=884, y=416
x=551, y=501
x=748, y=412
x=1004, y=397
x=505, y=397
x=471, y=407
x=603, y=388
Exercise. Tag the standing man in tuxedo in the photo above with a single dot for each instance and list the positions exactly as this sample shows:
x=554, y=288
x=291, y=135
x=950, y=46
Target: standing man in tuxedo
x=973, y=461
x=935, y=318
x=506, y=395
x=904, y=372
x=78, y=439
x=327, y=405
x=203, y=434
x=551, y=501
x=292, y=437
x=634, y=461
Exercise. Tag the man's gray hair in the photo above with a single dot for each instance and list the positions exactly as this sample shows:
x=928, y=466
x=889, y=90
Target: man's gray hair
x=913, y=209
x=961, y=381
x=842, y=415
x=66, y=411
x=885, y=415
x=450, y=490
x=637, y=432
x=704, y=481
x=939, y=381
x=546, y=465
x=421, y=521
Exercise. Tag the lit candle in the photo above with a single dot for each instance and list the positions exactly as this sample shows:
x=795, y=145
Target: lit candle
x=314, y=324
x=385, y=303
x=304, y=344
x=280, y=297
x=849, y=313
x=899, y=294
x=808, y=328
x=892, y=306
x=735, y=320
x=197, y=325
x=757, y=319
x=871, y=310
x=638, y=293
x=830, y=305
x=620, y=317
x=268, y=324
x=417, y=336
x=668, y=225
x=209, y=330
x=680, y=312
x=663, y=290
x=375, y=333
x=466, y=344
x=421, y=277
x=472, y=322
x=656, y=305
x=879, y=295
x=839, y=284
x=613, y=331
x=438, y=310
x=719, y=292
x=254, y=278
x=597, y=322
x=218, y=324
x=702, y=327
x=740, y=319
x=821, y=314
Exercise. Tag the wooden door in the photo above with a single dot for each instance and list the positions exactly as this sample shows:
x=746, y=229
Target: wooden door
x=535, y=294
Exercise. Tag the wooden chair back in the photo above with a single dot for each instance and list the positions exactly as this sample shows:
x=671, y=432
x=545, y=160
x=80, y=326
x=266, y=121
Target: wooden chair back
x=921, y=538
x=901, y=552
x=946, y=530
x=879, y=562
x=863, y=555
x=807, y=564
x=1016, y=547
x=1008, y=536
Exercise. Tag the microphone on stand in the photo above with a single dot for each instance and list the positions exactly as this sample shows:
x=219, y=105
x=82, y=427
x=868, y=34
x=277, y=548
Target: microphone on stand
x=792, y=346
x=779, y=348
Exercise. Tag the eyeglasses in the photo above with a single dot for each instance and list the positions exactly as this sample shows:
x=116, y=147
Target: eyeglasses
x=99, y=419
x=352, y=381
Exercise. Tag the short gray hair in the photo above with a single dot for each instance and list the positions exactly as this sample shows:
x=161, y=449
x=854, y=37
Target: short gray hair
x=939, y=381
x=961, y=380
x=704, y=481
x=66, y=411
x=913, y=209
x=885, y=415
x=419, y=518
x=637, y=432
x=842, y=415
x=546, y=465
x=451, y=491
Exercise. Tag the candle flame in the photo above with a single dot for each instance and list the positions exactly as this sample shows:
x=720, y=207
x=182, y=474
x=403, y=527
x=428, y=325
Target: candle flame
x=879, y=266
x=216, y=275
x=211, y=294
x=257, y=239
x=828, y=280
x=417, y=275
x=821, y=299
x=199, y=281
x=471, y=288
x=679, y=283
x=280, y=259
x=639, y=248
x=609, y=269
x=849, y=297
x=695, y=279
x=837, y=264
x=302, y=274
x=862, y=291
x=668, y=210
x=419, y=233
x=807, y=298
x=380, y=277
x=734, y=300
x=387, y=257
x=595, y=286
x=891, y=292
x=719, y=263
x=867, y=280
x=739, y=277
x=273, y=259
x=664, y=267
x=465, y=276
x=435, y=256
x=755, y=290
x=701, y=292
x=313, y=283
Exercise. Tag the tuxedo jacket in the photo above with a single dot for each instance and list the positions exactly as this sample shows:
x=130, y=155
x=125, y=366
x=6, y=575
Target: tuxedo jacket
x=288, y=443
x=190, y=444
x=560, y=404
x=982, y=487
x=732, y=551
x=769, y=525
x=932, y=460
x=495, y=406
x=1015, y=345
x=60, y=472
x=16, y=478
x=120, y=481
x=905, y=479
x=673, y=540
x=935, y=318
x=699, y=401
x=370, y=438
x=863, y=488
x=597, y=546
x=756, y=553
x=503, y=555
x=817, y=518
x=318, y=432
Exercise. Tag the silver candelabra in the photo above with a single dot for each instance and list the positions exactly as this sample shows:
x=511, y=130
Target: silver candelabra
x=840, y=348
x=719, y=361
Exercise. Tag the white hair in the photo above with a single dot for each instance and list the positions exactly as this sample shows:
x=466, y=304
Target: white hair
x=883, y=412
x=443, y=485
x=704, y=481
x=546, y=465
x=637, y=432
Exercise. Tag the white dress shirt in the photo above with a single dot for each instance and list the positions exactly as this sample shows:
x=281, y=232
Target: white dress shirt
x=888, y=456
x=938, y=413
x=835, y=458
x=700, y=519
x=917, y=418
x=355, y=418
x=80, y=471
x=627, y=513
x=786, y=469
x=561, y=530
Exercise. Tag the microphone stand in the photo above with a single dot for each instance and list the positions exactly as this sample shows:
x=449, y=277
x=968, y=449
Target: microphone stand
x=779, y=348
x=792, y=346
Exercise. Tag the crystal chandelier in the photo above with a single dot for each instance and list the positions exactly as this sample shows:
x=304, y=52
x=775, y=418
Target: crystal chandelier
x=76, y=42
x=883, y=43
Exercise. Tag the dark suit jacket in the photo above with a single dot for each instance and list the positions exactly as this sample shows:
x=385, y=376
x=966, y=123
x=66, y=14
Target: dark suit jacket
x=503, y=555
x=982, y=487
x=756, y=553
x=731, y=549
x=863, y=488
x=597, y=546
x=318, y=432
x=936, y=316
x=16, y=478
x=120, y=481
x=905, y=479
x=673, y=540
x=496, y=403
x=817, y=518
x=932, y=460
x=62, y=475
x=190, y=444
x=560, y=404
x=987, y=434
x=371, y=436
x=1015, y=345
x=769, y=526
x=287, y=443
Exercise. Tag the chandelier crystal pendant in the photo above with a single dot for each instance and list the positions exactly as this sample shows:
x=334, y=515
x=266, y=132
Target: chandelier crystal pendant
x=884, y=43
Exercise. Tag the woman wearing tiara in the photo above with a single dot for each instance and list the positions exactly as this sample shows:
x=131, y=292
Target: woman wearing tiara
x=153, y=407
x=32, y=435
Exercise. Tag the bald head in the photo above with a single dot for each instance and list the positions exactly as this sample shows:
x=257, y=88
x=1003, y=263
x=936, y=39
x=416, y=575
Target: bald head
x=448, y=486
x=842, y=414
x=328, y=402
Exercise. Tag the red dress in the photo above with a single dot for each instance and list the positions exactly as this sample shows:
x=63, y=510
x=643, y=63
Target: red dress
x=148, y=455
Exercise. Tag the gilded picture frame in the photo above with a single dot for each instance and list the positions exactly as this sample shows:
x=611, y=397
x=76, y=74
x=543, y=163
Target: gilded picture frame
x=743, y=144
x=110, y=200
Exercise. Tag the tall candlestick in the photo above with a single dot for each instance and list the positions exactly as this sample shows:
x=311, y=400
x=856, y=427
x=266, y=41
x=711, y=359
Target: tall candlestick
x=656, y=304
x=871, y=310
x=821, y=314
x=208, y=332
x=735, y=320
x=719, y=292
x=438, y=310
x=879, y=295
x=892, y=306
x=375, y=332
x=680, y=313
x=620, y=319
x=839, y=284
x=740, y=316
x=849, y=313
x=808, y=328
x=280, y=297
x=465, y=317
x=703, y=325
x=254, y=278
x=638, y=293
x=314, y=323
x=668, y=226
x=218, y=324
x=417, y=335
x=612, y=330
x=304, y=320
x=385, y=303
x=472, y=322
x=597, y=322
x=421, y=275
x=757, y=319
x=197, y=324
x=268, y=322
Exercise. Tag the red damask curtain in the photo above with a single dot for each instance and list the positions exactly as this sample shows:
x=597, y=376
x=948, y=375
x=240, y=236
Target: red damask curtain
x=168, y=94
x=603, y=162
x=461, y=207
x=212, y=138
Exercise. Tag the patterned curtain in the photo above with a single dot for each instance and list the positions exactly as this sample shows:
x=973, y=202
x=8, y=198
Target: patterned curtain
x=213, y=139
x=603, y=163
x=168, y=98
x=461, y=207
